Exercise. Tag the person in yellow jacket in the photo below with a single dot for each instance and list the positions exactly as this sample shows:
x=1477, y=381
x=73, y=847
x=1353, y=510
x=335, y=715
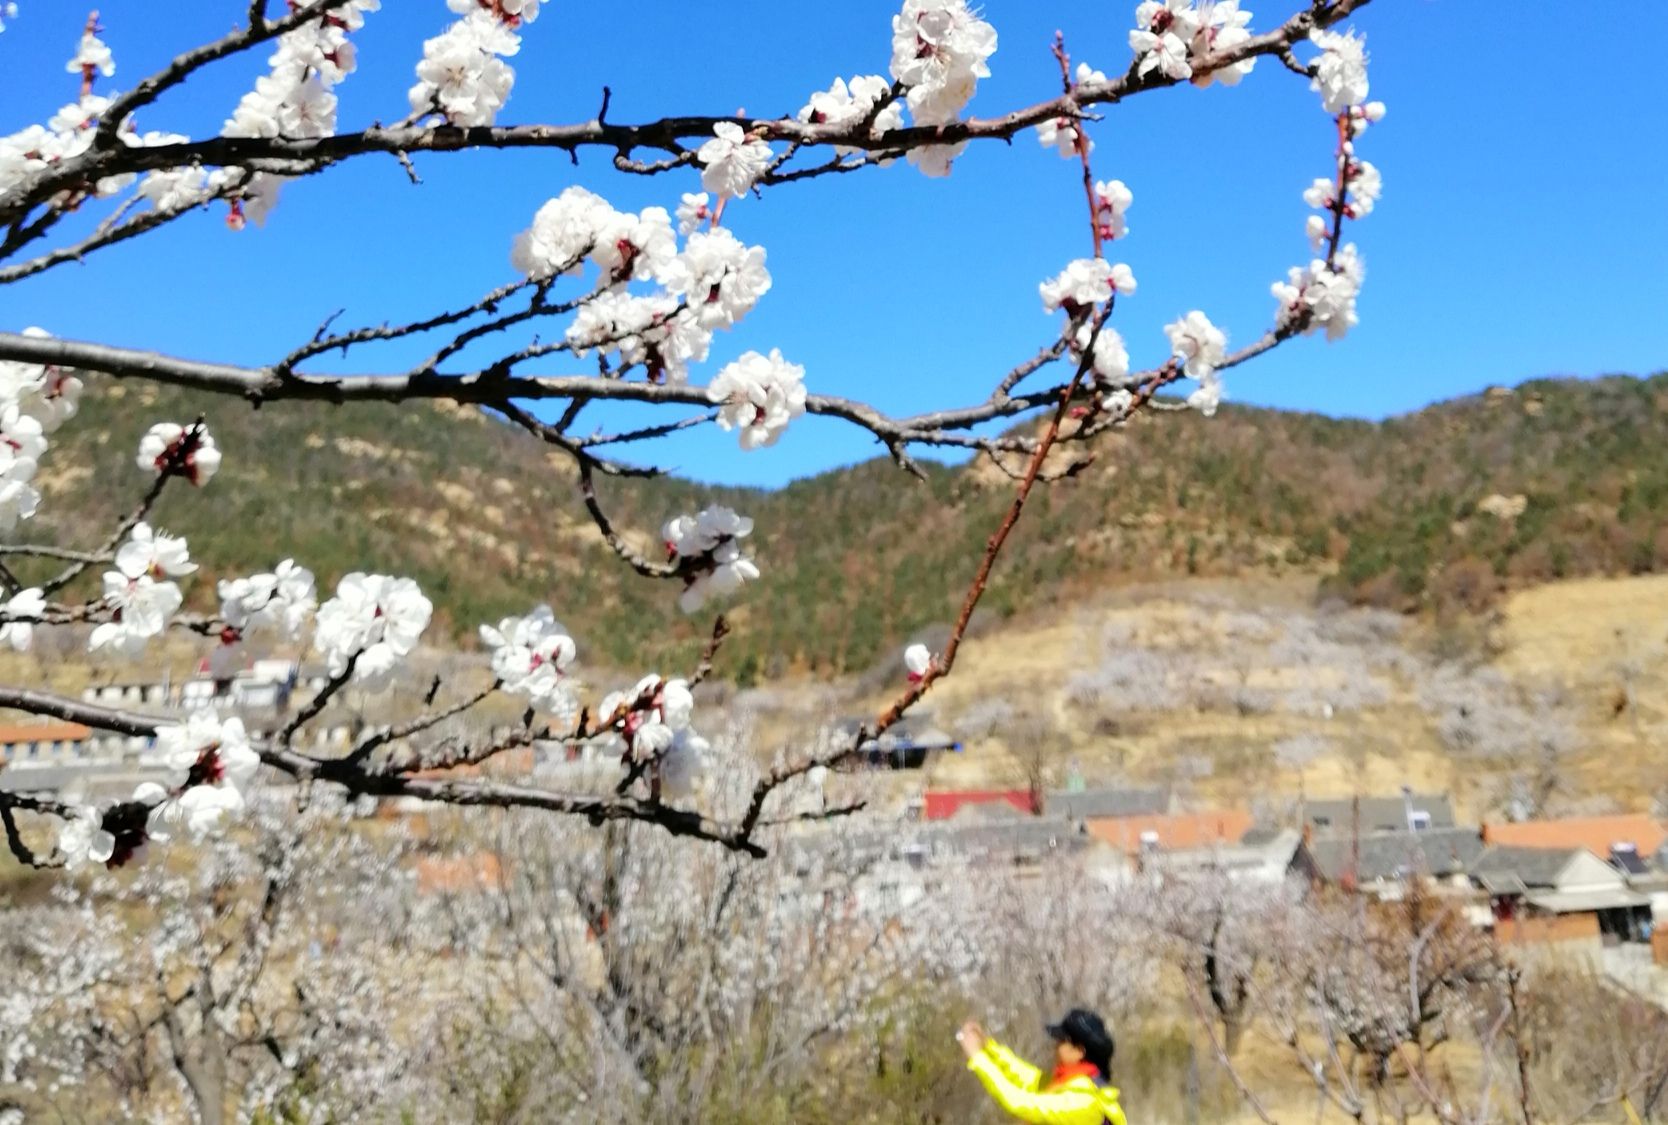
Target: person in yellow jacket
x=1077, y=1093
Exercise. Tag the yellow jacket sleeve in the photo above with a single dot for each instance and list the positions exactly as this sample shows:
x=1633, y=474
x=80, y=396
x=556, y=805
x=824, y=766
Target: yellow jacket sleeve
x=1065, y=1107
x=1013, y=1068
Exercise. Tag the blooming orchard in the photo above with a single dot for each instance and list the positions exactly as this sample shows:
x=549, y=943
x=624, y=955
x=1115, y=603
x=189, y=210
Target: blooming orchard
x=639, y=295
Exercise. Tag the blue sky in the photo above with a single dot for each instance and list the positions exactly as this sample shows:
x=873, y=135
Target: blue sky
x=1517, y=236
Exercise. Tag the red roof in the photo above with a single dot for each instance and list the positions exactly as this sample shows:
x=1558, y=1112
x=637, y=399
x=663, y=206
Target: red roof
x=942, y=804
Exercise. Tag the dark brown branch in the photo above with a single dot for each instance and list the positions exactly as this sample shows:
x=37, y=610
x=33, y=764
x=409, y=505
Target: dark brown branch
x=317, y=704
x=395, y=732
x=667, y=134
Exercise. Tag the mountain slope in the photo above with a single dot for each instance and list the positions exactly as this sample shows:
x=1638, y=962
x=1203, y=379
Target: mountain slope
x=488, y=521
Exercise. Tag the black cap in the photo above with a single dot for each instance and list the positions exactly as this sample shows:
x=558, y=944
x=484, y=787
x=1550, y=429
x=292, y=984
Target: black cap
x=1085, y=1030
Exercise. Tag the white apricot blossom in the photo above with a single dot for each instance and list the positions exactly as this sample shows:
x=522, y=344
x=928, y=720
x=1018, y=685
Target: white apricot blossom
x=1162, y=38
x=463, y=76
x=82, y=839
x=1320, y=296
x=917, y=659
x=709, y=541
x=208, y=750
x=1110, y=356
x=758, y=395
x=732, y=161
x=187, y=450
x=1341, y=70
x=372, y=624
x=693, y=210
x=939, y=52
x=1201, y=346
x=156, y=553
x=648, y=716
x=141, y=608
x=1083, y=284
x=21, y=613
x=564, y=231
x=1112, y=200
x=1222, y=26
x=531, y=656
x=845, y=103
x=719, y=277
x=280, y=601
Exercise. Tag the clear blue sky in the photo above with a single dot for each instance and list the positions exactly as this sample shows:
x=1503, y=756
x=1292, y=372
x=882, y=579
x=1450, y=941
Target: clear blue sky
x=1519, y=234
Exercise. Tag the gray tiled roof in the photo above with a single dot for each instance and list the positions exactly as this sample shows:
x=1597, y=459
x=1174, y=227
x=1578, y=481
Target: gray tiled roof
x=1385, y=855
x=1534, y=867
x=1378, y=814
x=1085, y=804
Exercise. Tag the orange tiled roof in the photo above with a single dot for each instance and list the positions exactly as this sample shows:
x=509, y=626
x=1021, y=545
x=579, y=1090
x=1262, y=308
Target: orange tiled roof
x=42, y=732
x=1175, y=830
x=1595, y=833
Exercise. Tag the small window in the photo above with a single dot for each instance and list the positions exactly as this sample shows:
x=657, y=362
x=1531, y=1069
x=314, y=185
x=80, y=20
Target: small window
x=1419, y=820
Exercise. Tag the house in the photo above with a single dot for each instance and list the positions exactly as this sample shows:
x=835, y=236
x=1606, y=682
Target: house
x=1134, y=836
x=1382, y=862
x=942, y=804
x=1528, y=885
x=1107, y=801
x=1265, y=858
x=1408, y=812
x=30, y=744
x=1635, y=833
x=1635, y=844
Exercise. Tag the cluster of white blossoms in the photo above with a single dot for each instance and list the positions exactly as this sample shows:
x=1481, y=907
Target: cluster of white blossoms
x=1322, y=296
x=939, y=48
x=1066, y=134
x=211, y=765
x=712, y=283
x=281, y=601
x=1177, y=37
x=917, y=660
x=372, y=624
x=35, y=399
x=531, y=656
x=709, y=547
x=463, y=76
x=91, y=57
x=1341, y=70
x=1085, y=283
x=1362, y=187
x=652, y=723
x=140, y=591
x=758, y=395
x=294, y=99
x=845, y=103
x=1201, y=347
x=187, y=450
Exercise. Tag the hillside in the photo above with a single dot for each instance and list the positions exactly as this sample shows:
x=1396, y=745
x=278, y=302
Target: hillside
x=1445, y=509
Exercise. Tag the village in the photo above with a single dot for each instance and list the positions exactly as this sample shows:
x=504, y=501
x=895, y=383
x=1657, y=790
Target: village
x=1587, y=892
